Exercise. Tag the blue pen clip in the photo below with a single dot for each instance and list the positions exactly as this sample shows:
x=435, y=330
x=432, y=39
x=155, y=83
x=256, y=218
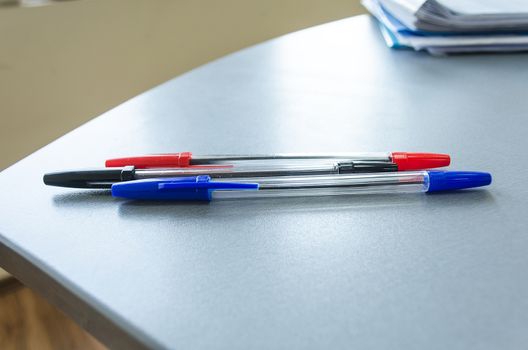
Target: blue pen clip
x=194, y=188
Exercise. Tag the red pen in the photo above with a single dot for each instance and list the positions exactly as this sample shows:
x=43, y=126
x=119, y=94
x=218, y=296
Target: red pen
x=403, y=160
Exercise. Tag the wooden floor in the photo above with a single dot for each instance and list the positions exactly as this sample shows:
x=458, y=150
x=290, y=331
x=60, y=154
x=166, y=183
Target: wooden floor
x=29, y=322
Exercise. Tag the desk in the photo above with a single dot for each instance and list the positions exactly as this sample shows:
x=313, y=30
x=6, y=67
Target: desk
x=444, y=271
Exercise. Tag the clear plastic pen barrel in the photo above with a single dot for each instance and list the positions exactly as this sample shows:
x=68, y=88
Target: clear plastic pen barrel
x=295, y=186
x=291, y=157
x=245, y=170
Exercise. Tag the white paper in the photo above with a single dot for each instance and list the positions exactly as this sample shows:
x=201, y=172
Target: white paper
x=476, y=7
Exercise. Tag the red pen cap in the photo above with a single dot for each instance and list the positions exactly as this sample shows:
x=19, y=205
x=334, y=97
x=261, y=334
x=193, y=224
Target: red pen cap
x=419, y=161
x=172, y=160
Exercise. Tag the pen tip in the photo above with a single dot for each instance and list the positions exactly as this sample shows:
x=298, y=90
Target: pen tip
x=419, y=161
x=457, y=180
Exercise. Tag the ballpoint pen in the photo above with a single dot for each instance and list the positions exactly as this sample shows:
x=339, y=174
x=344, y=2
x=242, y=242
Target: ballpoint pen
x=201, y=188
x=105, y=177
x=404, y=160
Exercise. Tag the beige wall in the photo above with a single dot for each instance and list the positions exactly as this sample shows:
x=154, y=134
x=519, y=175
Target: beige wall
x=3, y=274
x=61, y=65
x=64, y=64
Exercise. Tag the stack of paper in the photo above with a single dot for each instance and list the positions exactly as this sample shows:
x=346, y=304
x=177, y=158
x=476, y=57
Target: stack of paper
x=451, y=26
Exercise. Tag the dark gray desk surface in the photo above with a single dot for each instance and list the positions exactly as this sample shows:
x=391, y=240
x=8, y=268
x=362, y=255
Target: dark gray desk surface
x=410, y=272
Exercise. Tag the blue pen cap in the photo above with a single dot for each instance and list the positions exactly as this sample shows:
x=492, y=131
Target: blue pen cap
x=456, y=180
x=193, y=188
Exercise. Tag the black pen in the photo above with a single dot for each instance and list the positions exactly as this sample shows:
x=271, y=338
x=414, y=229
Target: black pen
x=105, y=177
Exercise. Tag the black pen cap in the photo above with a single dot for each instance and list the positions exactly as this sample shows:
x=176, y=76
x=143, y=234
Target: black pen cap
x=90, y=178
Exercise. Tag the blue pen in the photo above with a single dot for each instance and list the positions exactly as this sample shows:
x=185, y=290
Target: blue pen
x=202, y=188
